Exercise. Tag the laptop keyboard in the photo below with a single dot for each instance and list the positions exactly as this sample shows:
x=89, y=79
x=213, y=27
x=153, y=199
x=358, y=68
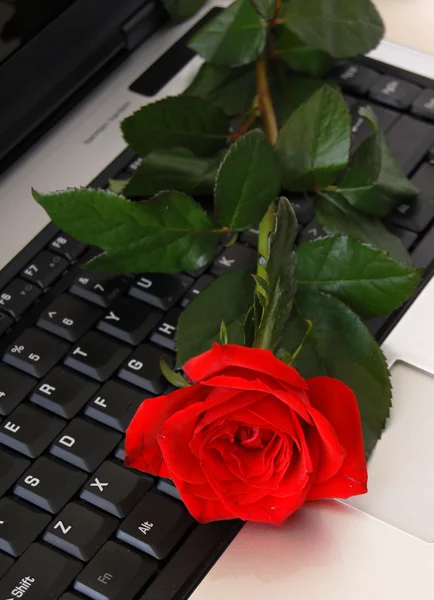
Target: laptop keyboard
x=79, y=353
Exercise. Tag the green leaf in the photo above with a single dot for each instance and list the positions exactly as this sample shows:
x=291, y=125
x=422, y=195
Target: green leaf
x=314, y=143
x=364, y=278
x=235, y=37
x=118, y=185
x=233, y=90
x=175, y=169
x=227, y=299
x=180, y=121
x=374, y=183
x=265, y=8
x=280, y=270
x=248, y=181
x=340, y=27
x=340, y=346
x=299, y=56
x=337, y=216
x=179, y=10
x=176, y=379
x=169, y=233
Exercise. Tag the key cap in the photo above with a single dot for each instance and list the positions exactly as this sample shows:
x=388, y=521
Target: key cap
x=234, y=257
x=129, y=320
x=35, y=352
x=134, y=165
x=45, y=268
x=424, y=179
x=49, y=484
x=409, y=141
x=11, y=468
x=142, y=369
x=423, y=106
x=70, y=596
x=303, y=208
x=80, y=531
x=68, y=317
x=40, y=574
x=395, y=92
x=14, y=387
x=168, y=487
x=356, y=78
x=313, y=231
x=386, y=117
x=115, y=573
x=422, y=255
x=408, y=238
x=360, y=131
x=85, y=445
x=63, y=392
x=17, y=297
x=67, y=246
x=20, y=525
x=250, y=237
x=160, y=289
x=6, y=562
x=164, y=333
x=415, y=214
x=120, y=451
x=5, y=323
x=115, y=489
x=195, y=289
x=99, y=288
x=156, y=525
x=115, y=405
x=29, y=430
x=97, y=356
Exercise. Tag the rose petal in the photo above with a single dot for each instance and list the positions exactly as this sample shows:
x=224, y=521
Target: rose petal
x=202, y=502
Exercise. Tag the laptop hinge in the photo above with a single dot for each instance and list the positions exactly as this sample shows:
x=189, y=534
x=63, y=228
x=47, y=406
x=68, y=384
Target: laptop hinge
x=143, y=24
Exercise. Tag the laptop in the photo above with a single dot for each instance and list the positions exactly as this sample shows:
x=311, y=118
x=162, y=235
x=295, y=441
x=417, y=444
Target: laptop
x=73, y=519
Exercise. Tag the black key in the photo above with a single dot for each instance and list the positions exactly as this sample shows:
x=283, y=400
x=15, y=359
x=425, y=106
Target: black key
x=313, y=231
x=35, y=352
x=5, y=323
x=234, y=257
x=6, y=562
x=20, y=525
x=129, y=320
x=115, y=405
x=63, y=392
x=423, y=254
x=49, y=484
x=386, y=117
x=40, y=574
x=423, y=106
x=415, y=214
x=80, y=531
x=29, y=430
x=97, y=356
x=423, y=179
x=69, y=317
x=351, y=102
x=67, y=246
x=361, y=130
x=250, y=237
x=168, y=487
x=115, y=489
x=409, y=141
x=431, y=155
x=356, y=78
x=160, y=290
x=156, y=525
x=11, y=468
x=376, y=323
x=134, y=165
x=143, y=369
x=99, y=288
x=14, y=387
x=407, y=237
x=16, y=297
x=120, y=451
x=195, y=555
x=196, y=288
x=70, y=596
x=303, y=208
x=164, y=333
x=45, y=269
x=115, y=573
x=395, y=92
x=85, y=445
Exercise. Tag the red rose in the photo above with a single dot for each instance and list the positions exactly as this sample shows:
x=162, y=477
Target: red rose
x=251, y=439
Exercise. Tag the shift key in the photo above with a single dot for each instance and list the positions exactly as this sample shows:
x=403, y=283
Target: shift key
x=409, y=141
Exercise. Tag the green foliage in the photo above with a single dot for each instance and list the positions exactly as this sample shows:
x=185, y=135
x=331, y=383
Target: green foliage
x=179, y=10
x=227, y=299
x=247, y=183
x=265, y=8
x=343, y=28
x=314, y=143
x=339, y=345
x=367, y=280
x=167, y=234
x=235, y=37
x=176, y=379
x=183, y=121
x=299, y=56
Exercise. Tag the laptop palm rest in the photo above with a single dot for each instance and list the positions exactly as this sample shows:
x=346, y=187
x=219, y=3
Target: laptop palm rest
x=401, y=468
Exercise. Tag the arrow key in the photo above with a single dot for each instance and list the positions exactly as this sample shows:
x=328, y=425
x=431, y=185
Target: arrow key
x=69, y=317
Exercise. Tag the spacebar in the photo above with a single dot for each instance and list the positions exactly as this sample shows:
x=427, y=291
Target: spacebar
x=192, y=561
x=409, y=140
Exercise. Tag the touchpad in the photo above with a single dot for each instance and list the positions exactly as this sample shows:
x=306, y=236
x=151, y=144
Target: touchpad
x=401, y=468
